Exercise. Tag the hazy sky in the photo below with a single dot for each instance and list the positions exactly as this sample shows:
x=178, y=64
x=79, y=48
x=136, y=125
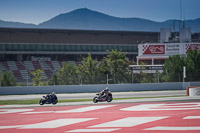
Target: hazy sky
x=38, y=11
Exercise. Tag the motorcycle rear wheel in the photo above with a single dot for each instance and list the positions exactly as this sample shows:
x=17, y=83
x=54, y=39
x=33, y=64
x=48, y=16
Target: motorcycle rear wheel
x=41, y=102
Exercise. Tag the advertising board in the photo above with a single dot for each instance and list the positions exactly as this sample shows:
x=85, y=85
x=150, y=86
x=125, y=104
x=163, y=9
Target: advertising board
x=167, y=49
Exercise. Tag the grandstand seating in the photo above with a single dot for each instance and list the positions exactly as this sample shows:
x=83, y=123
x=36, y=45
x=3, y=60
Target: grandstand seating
x=49, y=63
x=56, y=65
x=21, y=70
x=5, y=65
x=36, y=65
x=25, y=74
x=20, y=65
x=12, y=65
x=29, y=65
x=48, y=73
x=2, y=67
x=17, y=74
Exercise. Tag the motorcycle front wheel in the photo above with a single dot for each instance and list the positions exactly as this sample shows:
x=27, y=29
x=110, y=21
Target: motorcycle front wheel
x=109, y=99
x=55, y=101
x=95, y=100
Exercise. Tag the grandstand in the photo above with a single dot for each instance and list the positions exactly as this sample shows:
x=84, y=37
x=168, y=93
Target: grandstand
x=24, y=50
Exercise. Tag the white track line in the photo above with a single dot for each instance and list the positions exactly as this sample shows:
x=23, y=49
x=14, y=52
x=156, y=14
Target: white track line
x=173, y=128
x=7, y=111
x=192, y=117
x=56, y=123
x=129, y=122
x=94, y=130
x=77, y=110
x=49, y=124
x=157, y=107
x=85, y=109
x=40, y=112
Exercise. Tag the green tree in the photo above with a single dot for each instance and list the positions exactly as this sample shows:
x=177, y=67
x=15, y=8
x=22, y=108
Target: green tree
x=66, y=75
x=37, y=77
x=116, y=65
x=53, y=80
x=89, y=70
x=143, y=77
x=156, y=77
x=193, y=65
x=173, y=69
x=7, y=79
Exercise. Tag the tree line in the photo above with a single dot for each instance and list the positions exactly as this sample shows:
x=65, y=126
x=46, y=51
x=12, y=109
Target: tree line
x=173, y=67
x=114, y=69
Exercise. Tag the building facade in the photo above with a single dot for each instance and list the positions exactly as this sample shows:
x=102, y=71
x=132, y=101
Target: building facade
x=24, y=50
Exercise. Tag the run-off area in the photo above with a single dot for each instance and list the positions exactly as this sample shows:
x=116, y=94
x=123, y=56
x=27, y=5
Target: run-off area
x=128, y=117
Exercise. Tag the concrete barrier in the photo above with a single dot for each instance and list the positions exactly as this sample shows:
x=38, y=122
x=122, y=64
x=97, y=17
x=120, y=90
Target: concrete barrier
x=194, y=91
x=187, y=89
x=95, y=88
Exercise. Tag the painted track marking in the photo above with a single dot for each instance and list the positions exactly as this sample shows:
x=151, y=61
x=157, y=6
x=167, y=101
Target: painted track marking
x=50, y=124
x=160, y=107
x=85, y=109
x=129, y=122
x=7, y=111
x=165, y=116
x=173, y=128
x=77, y=110
x=94, y=130
x=192, y=117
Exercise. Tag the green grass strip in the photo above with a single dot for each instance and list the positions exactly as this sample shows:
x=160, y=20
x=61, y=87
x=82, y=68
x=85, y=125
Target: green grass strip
x=36, y=101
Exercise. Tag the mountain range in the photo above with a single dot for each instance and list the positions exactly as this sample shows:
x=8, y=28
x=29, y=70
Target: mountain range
x=86, y=19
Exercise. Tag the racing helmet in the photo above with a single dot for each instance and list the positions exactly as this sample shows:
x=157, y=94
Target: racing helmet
x=107, y=89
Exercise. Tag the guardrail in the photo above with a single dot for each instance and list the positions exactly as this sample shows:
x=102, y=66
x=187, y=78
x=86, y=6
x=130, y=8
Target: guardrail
x=95, y=88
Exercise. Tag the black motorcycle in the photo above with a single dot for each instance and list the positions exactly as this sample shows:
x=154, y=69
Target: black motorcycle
x=49, y=99
x=99, y=98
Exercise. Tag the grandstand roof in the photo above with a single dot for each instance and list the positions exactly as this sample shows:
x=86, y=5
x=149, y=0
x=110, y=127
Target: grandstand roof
x=26, y=35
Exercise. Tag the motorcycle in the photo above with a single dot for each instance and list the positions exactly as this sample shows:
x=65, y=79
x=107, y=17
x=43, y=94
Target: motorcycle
x=99, y=98
x=49, y=99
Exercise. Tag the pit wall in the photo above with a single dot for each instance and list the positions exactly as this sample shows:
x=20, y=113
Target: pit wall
x=95, y=88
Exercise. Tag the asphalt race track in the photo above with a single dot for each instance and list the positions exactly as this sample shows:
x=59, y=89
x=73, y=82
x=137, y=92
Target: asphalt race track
x=150, y=117
x=91, y=95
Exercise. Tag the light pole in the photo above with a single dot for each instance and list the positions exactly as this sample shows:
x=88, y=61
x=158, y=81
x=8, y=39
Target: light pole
x=54, y=77
x=0, y=78
x=132, y=77
x=107, y=78
x=184, y=73
x=27, y=78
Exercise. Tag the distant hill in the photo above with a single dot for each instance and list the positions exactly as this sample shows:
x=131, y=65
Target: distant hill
x=86, y=19
x=16, y=24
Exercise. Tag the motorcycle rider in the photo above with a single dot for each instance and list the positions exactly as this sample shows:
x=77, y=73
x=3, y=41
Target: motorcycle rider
x=104, y=92
x=48, y=97
x=51, y=96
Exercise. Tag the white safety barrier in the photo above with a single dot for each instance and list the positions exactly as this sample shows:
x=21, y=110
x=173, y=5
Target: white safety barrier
x=194, y=91
x=21, y=90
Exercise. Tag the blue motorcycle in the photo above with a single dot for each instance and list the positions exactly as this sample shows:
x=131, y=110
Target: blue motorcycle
x=49, y=99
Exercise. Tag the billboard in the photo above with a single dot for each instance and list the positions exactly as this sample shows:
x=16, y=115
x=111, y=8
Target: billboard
x=154, y=49
x=167, y=49
x=173, y=49
x=192, y=47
